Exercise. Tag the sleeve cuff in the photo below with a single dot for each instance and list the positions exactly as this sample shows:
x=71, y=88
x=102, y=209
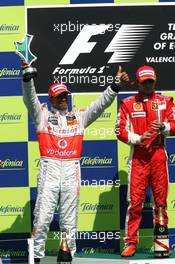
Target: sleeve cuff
x=115, y=87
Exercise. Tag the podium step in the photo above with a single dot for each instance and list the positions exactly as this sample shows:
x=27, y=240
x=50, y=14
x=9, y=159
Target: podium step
x=113, y=259
x=101, y=261
x=52, y=260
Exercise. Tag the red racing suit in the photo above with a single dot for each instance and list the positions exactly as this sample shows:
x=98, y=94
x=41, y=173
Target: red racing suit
x=148, y=160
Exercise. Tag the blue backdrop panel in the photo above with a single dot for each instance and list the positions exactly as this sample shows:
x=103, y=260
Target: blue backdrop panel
x=166, y=0
x=14, y=248
x=11, y=2
x=170, y=143
x=99, y=161
x=10, y=87
x=90, y=1
x=10, y=74
x=10, y=67
x=172, y=237
x=14, y=164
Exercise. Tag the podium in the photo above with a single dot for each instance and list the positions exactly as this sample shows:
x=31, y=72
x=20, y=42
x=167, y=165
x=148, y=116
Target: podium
x=139, y=258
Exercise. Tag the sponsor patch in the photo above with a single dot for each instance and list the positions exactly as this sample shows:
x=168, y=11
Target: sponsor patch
x=162, y=105
x=154, y=106
x=138, y=114
x=53, y=120
x=158, y=105
x=138, y=106
x=71, y=120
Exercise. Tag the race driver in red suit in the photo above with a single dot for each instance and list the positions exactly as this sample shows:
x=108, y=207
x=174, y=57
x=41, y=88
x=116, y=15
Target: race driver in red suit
x=143, y=122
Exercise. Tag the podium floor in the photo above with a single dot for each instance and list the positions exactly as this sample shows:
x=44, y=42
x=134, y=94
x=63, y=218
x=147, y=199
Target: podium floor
x=51, y=260
x=139, y=258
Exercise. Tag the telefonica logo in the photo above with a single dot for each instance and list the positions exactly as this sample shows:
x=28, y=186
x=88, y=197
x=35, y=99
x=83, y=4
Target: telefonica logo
x=173, y=203
x=8, y=117
x=89, y=250
x=96, y=207
x=95, y=161
x=11, y=253
x=171, y=159
x=173, y=246
x=5, y=72
x=7, y=163
x=105, y=115
x=10, y=27
x=147, y=205
x=37, y=162
x=11, y=209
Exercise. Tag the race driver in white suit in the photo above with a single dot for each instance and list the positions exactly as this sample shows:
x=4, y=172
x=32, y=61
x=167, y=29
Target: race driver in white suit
x=60, y=135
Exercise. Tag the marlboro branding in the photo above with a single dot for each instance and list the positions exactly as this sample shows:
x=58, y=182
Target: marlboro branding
x=161, y=239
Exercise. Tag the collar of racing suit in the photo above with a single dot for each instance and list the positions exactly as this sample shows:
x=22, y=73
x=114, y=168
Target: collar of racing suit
x=142, y=98
x=61, y=112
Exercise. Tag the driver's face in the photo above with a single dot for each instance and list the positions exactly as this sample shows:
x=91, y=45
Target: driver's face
x=60, y=102
x=147, y=87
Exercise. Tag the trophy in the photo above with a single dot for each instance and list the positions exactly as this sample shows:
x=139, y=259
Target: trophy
x=64, y=254
x=27, y=57
x=161, y=239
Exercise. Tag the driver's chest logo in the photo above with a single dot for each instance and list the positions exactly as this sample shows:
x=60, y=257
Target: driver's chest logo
x=71, y=120
x=62, y=143
x=154, y=106
x=138, y=106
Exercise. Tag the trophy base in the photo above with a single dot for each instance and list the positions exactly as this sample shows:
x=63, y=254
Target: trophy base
x=64, y=257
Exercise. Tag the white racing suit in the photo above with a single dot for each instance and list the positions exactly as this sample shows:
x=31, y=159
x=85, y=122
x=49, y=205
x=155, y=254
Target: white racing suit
x=60, y=136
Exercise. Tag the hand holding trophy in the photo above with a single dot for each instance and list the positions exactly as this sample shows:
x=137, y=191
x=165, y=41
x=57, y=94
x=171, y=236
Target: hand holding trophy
x=26, y=56
x=28, y=72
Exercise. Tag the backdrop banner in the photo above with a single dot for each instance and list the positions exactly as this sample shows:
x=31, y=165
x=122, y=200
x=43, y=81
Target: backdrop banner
x=84, y=46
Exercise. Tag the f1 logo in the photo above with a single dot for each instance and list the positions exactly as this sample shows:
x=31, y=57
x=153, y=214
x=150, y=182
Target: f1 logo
x=81, y=44
x=124, y=44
